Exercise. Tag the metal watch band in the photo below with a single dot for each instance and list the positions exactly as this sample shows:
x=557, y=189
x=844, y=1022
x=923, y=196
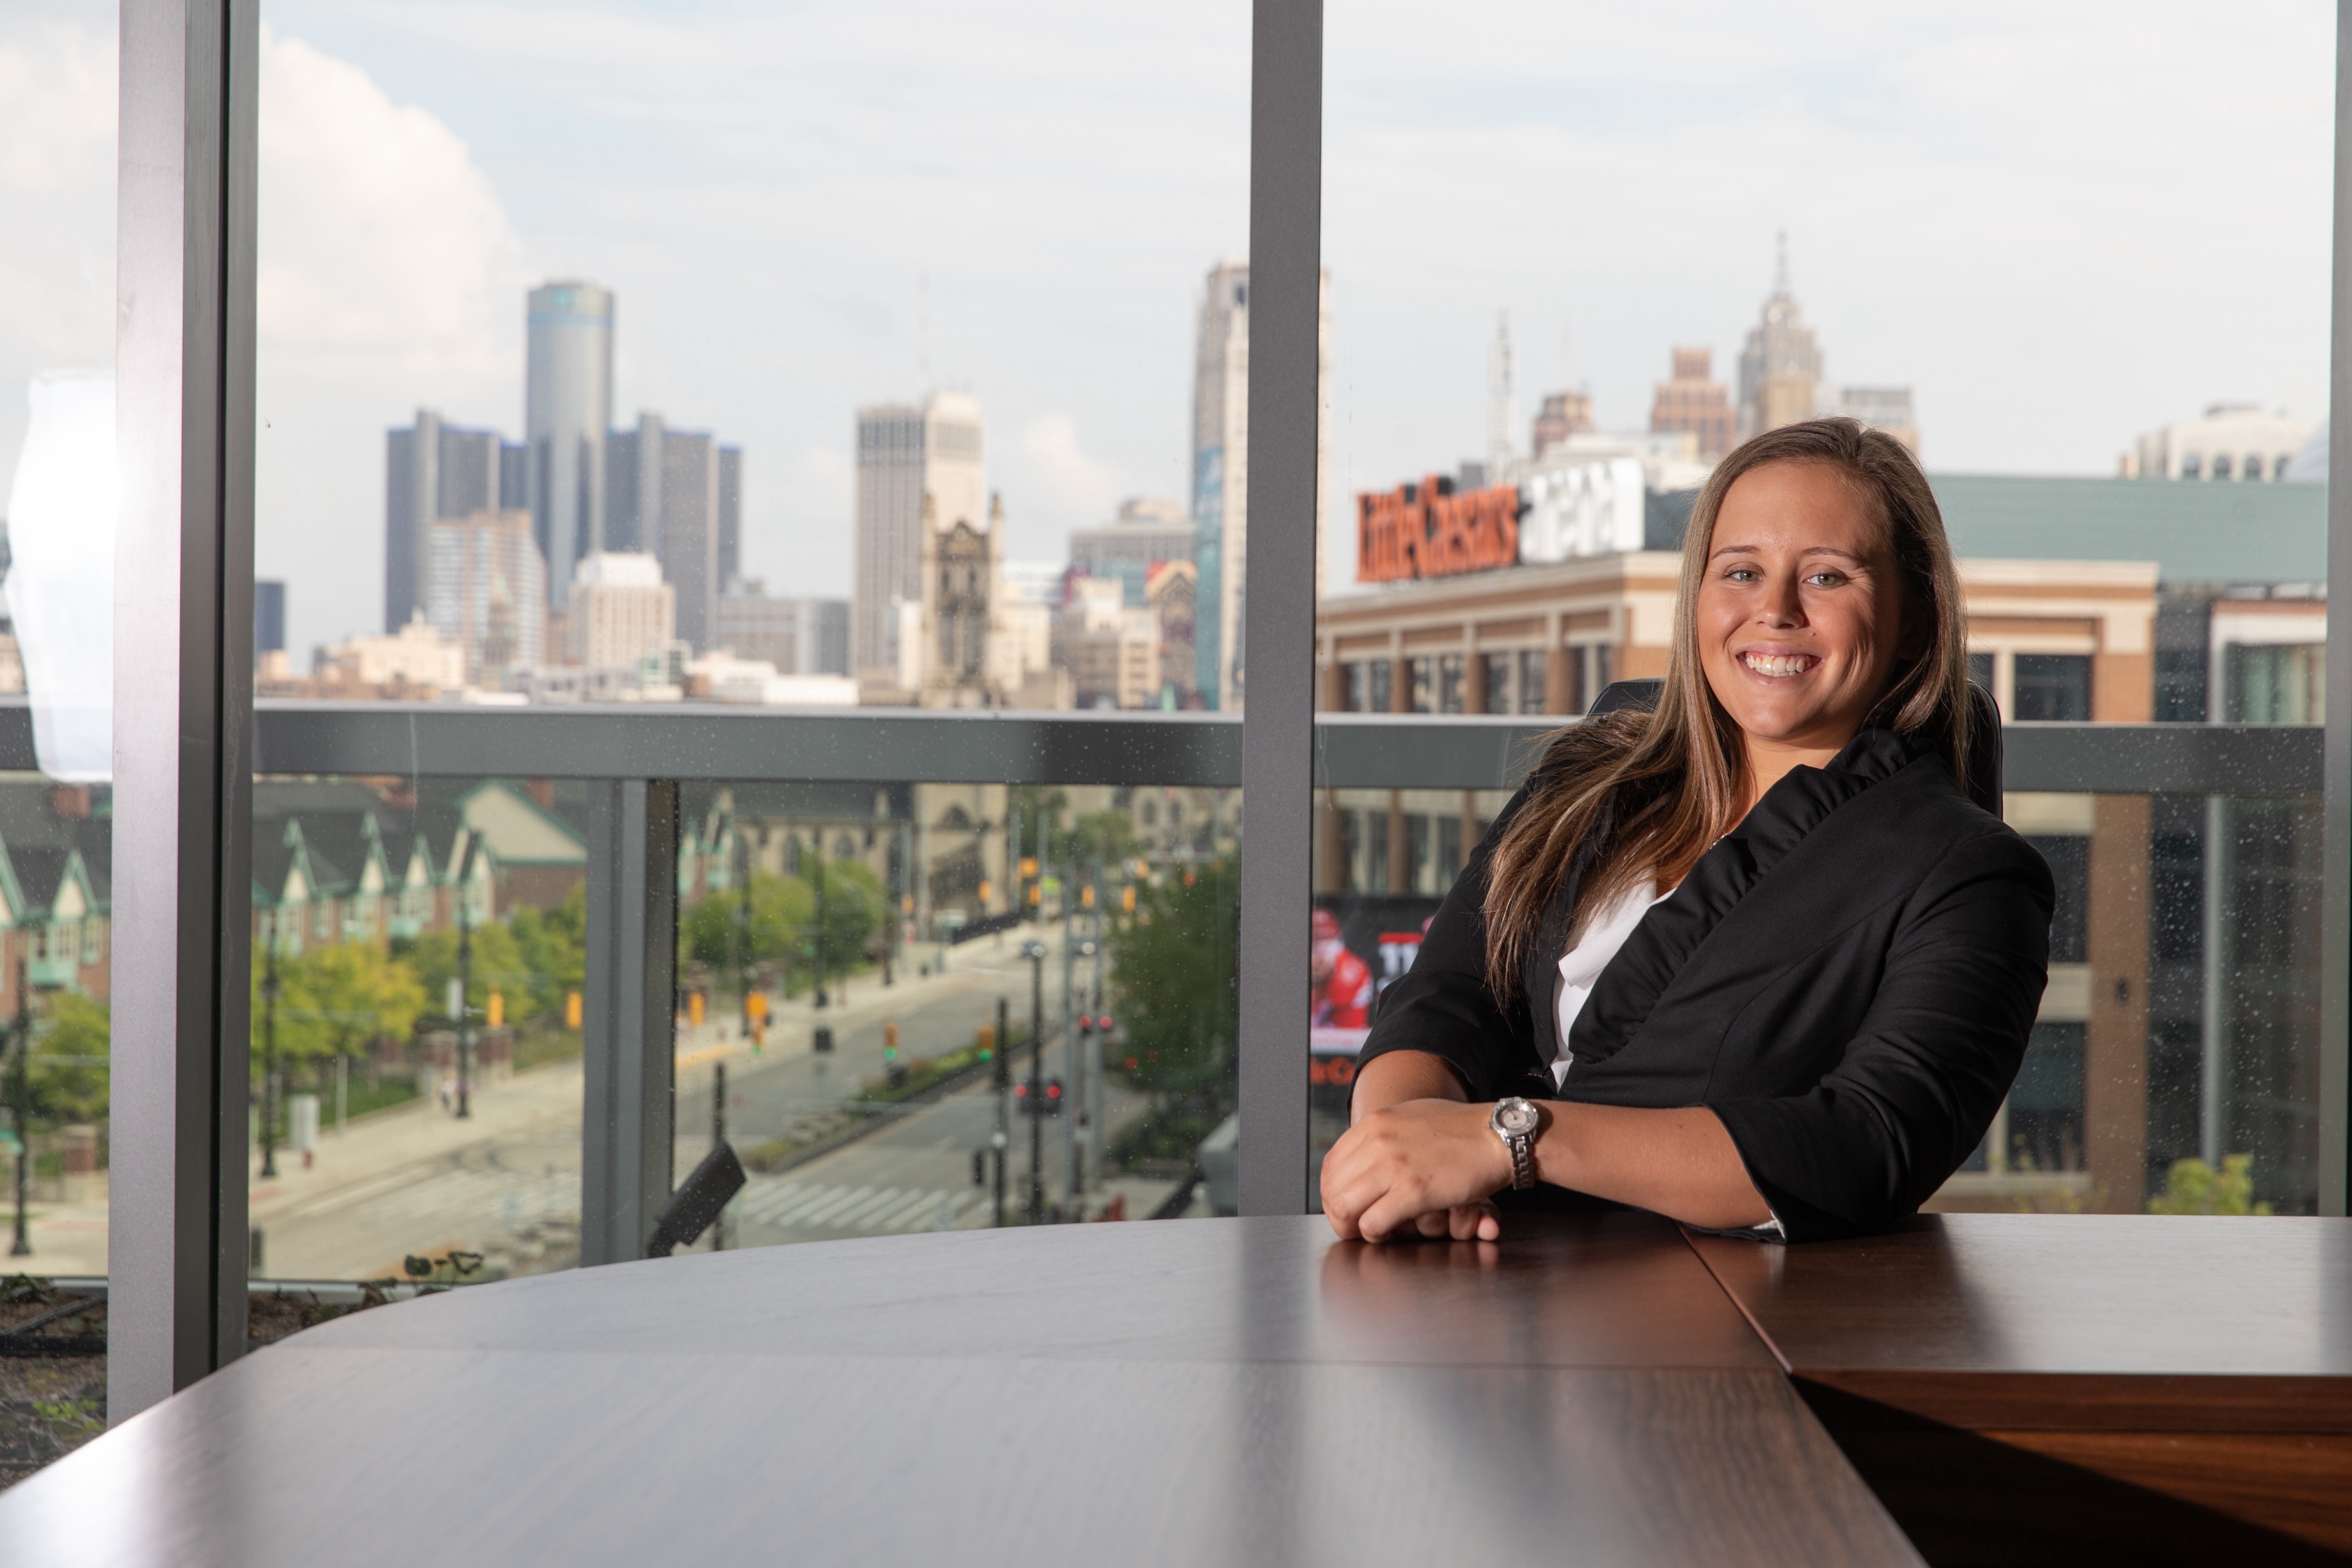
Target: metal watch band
x=1523, y=1160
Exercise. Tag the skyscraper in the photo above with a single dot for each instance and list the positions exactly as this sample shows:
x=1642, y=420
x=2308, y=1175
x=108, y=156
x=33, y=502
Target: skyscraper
x=904, y=454
x=487, y=589
x=1696, y=401
x=1221, y=472
x=1780, y=368
x=435, y=471
x=567, y=409
x=663, y=495
x=731, y=515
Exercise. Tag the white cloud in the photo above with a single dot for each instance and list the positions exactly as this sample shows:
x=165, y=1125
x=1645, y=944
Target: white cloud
x=57, y=201
x=1064, y=478
x=389, y=278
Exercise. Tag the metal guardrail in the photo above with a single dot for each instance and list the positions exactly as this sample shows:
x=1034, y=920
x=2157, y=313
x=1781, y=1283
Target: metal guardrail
x=887, y=745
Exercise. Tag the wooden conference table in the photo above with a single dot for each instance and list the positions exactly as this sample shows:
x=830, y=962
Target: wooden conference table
x=1598, y=1389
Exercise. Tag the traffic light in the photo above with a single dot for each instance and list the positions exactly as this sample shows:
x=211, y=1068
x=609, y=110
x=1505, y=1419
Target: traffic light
x=980, y=1167
x=1028, y=866
x=1051, y=1099
x=1127, y=898
x=498, y=1010
x=571, y=1009
x=1086, y=897
x=987, y=1042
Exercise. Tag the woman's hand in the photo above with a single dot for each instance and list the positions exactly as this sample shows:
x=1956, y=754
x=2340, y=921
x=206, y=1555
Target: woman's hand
x=1420, y=1167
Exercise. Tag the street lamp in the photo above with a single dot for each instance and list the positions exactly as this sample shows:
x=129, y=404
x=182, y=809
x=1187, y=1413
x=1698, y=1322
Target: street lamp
x=464, y=992
x=270, y=989
x=22, y=1247
x=816, y=839
x=1034, y=952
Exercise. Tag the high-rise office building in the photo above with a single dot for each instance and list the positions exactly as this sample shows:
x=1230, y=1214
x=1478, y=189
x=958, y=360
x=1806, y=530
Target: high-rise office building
x=1145, y=534
x=1780, y=368
x=907, y=453
x=269, y=616
x=1221, y=471
x=1696, y=401
x=567, y=409
x=664, y=494
x=621, y=610
x=487, y=589
x=799, y=636
x=435, y=471
x=730, y=514
x=1563, y=414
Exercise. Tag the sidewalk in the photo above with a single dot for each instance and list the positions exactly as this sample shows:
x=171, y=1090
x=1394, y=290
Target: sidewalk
x=370, y=1194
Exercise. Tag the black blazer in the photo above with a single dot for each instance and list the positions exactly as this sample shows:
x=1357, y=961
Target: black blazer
x=1847, y=979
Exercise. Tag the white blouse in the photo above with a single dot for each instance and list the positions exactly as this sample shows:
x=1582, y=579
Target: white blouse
x=1581, y=967
x=1579, y=970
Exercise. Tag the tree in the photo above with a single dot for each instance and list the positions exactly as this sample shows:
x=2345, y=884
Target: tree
x=1173, y=964
x=2192, y=1186
x=554, y=948
x=67, y=1073
x=855, y=906
x=499, y=965
x=333, y=999
x=783, y=908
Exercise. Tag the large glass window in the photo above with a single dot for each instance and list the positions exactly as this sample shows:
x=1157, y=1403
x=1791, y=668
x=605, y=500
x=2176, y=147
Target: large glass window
x=746, y=366
x=1645, y=239
x=57, y=516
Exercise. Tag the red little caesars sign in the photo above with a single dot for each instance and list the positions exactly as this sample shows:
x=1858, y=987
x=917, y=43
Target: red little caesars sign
x=1431, y=529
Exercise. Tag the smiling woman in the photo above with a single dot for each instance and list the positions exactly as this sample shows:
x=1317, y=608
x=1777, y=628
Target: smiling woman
x=1767, y=962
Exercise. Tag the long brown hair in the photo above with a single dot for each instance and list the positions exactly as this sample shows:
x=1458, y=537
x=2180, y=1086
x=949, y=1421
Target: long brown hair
x=1653, y=790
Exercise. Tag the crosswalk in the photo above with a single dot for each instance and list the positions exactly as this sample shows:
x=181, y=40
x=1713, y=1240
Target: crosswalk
x=783, y=1204
x=462, y=1196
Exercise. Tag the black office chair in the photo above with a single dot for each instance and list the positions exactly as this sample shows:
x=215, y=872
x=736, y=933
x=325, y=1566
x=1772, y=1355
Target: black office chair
x=1984, y=749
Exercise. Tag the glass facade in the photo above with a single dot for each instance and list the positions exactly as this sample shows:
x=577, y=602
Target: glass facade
x=1529, y=404
x=639, y=433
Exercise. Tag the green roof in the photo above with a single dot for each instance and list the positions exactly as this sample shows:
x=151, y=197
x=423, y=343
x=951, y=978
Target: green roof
x=2214, y=532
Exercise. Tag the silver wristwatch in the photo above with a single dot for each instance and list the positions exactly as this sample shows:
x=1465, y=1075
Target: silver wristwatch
x=1517, y=1122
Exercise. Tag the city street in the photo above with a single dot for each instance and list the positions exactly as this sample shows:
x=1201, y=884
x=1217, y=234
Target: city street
x=416, y=1181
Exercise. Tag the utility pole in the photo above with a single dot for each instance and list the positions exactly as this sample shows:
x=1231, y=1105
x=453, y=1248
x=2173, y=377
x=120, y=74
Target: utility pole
x=743, y=924
x=818, y=837
x=1093, y=1099
x=1070, y=1068
x=465, y=989
x=717, y=1137
x=268, y=1052
x=1034, y=952
x=23, y=1245
x=1003, y=1139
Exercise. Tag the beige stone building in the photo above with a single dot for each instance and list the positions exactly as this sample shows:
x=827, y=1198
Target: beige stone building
x=621, y=610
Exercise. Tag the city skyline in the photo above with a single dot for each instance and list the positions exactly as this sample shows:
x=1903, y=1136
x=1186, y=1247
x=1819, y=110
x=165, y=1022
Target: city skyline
x=1621, y=178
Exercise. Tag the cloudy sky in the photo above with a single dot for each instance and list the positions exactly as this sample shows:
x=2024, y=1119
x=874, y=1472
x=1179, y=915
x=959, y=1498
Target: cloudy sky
x=2060, y=225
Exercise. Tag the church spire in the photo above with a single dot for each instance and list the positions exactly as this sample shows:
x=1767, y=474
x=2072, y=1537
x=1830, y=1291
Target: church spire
x=1780, y=265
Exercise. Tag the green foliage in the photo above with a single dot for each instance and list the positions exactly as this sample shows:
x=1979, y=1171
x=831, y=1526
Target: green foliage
x=782, y=910
x=499, y=964
x=1173, y=972
x=1103, y=838
x=554, y=948
x=854, y=909
x=333, y=999
x=2192, y=1186
x=67, y=1076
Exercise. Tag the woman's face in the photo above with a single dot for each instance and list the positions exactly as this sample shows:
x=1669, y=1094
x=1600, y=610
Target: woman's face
x=1800, y=614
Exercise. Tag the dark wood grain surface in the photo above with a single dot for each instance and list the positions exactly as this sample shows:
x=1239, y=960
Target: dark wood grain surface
x=2024, y=1388
x=1200, y=1392
x=2057, y=1293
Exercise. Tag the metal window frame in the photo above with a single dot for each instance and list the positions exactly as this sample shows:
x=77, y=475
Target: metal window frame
x=2335, y=850
x=1279, y=599
x=185, y=734
x=182, y=699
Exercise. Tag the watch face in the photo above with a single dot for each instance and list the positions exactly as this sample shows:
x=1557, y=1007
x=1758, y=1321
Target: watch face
x=1517, y=1116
